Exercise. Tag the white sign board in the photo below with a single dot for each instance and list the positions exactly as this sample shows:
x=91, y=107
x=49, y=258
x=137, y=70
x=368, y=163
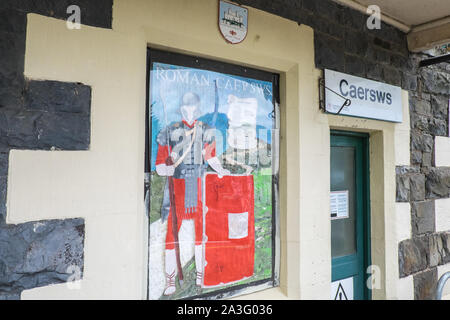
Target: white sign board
x=369, y=99
x=339, y=204
x=342, y=289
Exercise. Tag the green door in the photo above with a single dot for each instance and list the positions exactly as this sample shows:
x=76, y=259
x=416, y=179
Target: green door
x=350, y=225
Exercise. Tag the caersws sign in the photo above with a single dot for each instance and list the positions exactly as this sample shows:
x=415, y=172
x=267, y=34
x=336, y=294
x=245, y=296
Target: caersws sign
x=369, y=99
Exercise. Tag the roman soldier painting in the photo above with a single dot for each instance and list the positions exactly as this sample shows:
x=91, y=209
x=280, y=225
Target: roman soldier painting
x=211, y=192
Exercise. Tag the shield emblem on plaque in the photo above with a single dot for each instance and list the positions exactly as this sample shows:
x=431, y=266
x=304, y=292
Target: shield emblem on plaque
x=233, y=22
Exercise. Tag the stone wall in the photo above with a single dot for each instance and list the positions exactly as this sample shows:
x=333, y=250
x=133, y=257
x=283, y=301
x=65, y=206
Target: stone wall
x=343, y=43
x=422, y=183
x=40, y=115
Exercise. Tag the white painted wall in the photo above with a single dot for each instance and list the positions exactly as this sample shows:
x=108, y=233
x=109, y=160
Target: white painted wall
x=442, y=214
x=442, y=151
x=104, y=184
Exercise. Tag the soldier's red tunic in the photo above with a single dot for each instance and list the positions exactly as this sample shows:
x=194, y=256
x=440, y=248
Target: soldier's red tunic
x=184, y=213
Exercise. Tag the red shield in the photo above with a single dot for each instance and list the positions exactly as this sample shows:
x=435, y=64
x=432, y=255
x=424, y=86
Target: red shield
x=229, y=229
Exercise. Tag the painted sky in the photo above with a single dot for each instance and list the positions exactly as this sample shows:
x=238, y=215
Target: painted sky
x=168, y=83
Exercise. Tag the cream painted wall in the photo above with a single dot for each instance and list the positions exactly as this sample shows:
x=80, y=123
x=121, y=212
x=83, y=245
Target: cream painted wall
x=442, y=215
x=442, y=151
x=104, y=184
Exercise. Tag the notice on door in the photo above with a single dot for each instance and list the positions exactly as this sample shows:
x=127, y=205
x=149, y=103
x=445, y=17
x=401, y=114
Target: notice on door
x=339, y=204
x=342, y=289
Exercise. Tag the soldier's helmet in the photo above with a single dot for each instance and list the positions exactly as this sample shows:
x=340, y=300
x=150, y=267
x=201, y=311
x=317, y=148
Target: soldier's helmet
x=190, y=106
x=190, y=99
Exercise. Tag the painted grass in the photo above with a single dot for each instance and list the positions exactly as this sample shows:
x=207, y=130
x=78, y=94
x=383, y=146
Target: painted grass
x=263, y=234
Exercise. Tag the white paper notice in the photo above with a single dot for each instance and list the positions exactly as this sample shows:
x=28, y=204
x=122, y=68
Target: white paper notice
x=339, y=204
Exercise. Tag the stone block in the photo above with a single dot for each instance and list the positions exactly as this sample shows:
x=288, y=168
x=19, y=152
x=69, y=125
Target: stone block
x=355, y=66
x=435, y=82
x=439, y=106
x=427, y=159
x=423, y=217
x=387, y=33
x=307, y=18
x=39, y=253
x=4, y=158
x=409, y=81
x=425, y=285
x=10, y=296
x=413, y=63
x=416, y=157
x=400, y=47
x=56, y=96
x=12, y=53
x=310, y=5
x=381, y=43
x=3, y=188
x=374, y=71
x=378, y=55
x=327, y=9
x=400, y=62
x=356, y=43
x=421, y=141
x=354, y=19
x=437, y=183
x=438, y=127
x=326, y=27
x=12, y=21
x=4, y=145
x=403, y=188
x=420, y=106
x=413, y=256
x=392, y=76
x=406, y=169
x=446, y=243
x=438, y=251
x=329, y=52
x=417, y=187
x=67, y=131
x=3, y=123
x=22, y=133
x=419, y=122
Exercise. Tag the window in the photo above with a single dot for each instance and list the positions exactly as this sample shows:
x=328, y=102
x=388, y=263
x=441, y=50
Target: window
x=212, y=168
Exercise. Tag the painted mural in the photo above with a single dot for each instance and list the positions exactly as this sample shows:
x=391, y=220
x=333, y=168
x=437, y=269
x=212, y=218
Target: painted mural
x=211, y=181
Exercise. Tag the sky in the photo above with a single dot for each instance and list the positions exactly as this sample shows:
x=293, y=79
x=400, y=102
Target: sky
x=168, y=83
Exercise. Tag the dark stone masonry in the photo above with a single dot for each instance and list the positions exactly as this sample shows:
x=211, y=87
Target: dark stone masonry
x=39, y=253
x=422, y=182
x=40, y=115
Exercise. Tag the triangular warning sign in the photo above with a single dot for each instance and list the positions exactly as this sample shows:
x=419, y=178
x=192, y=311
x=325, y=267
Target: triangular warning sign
x=340, y=293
